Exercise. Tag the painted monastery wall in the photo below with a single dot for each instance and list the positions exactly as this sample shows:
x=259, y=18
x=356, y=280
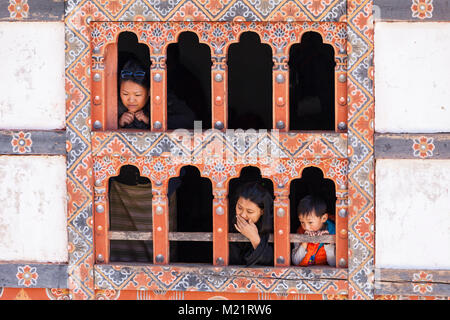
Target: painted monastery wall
x=411, y=124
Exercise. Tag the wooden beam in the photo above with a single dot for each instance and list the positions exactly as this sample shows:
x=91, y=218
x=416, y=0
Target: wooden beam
x=207, y=236
x=34, y=142
x=402, y=10
x=412, y=146
x=412, y=282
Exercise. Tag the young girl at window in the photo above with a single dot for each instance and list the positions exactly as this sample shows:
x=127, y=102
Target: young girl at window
x=253, y=219
x=314, y=222
x=134, y=84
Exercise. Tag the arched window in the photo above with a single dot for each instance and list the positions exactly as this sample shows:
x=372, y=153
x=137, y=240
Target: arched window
x=190, y=199
x=188, y=83
x=238, y=242
x=249, y=83
x=130, y=209
x=311, y=84
x=312, y=182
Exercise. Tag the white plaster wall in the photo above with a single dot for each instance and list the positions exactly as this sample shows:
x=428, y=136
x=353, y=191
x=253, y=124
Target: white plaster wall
x=32, y=94
x=412, y=77
x=412, y=205
x=33, y=220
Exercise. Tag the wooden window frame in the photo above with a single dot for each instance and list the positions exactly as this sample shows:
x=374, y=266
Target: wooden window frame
x=219, y=36
x=108, y=162
x=110, y=166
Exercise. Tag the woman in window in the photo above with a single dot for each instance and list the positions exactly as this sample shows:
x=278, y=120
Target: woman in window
x=253, y=218
x=134, y=84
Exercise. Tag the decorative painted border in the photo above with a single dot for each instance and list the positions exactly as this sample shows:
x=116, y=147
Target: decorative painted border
x=360, y=149
x=240, y=145
x=33, y=275
x=219, y=279
x=412, y=282
x=412, y=146
x=32, y=10
x=33, y=142
x=412, y=10
x=358, y=14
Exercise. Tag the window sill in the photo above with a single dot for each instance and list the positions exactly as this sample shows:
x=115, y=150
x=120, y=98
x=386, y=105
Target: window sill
x=207, y=278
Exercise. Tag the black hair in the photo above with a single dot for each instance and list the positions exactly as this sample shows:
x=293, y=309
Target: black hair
x=256, y=193
x=133, y=65
x=310, y=204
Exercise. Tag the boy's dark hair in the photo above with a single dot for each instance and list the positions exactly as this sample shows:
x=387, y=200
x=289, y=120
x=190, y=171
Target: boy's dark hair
x=310, y=204
x=133, y=65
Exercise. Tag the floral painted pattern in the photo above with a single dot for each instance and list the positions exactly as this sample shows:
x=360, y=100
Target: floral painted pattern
x=18, y=9
x=422, y=282
x=21, y=142
x=27, y=276
x=423, y=147
x=422, y=9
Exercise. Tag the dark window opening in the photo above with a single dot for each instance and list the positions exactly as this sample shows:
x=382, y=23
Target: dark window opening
x=312, y=182
x=130, y=50
x=130, y=209
x=311, y=84
x=188, y=83
x=193, y=201
x=249, y=83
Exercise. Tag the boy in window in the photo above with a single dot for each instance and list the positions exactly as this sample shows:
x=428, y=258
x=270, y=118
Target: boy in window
x=314, y=222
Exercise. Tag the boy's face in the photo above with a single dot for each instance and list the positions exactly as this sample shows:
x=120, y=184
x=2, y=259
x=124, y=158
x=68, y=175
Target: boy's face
x=311, y=222
x=133, y=95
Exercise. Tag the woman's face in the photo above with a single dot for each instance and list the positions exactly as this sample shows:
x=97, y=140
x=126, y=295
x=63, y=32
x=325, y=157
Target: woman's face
x=133, y=95
x=248, y=210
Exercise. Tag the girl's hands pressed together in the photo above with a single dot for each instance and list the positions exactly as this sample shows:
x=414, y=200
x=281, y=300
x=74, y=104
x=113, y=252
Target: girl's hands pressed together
x=126, y=118
x=140, y=115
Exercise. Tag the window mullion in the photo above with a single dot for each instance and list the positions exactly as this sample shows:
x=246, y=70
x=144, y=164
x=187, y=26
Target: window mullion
x=281, y=230
x=220, y=227
x=160, y=218
x=158, y=91
x=280, y=82
x=341, y=226
x=219, y=79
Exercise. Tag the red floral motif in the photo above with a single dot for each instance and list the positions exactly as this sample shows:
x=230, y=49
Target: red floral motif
x=75, y=198
x=316, y=6
x=214, y=6
x=364, y=123
x=189, y=12
x=166, y=277
x=80, y=71
x=117, y=148
x=422, y=9
x=27, y=276
x=84, y=15
x=83, y=172
x=357, y=98
x=289, y=12
x=113, y=6
x=73, y=96
x=18, y=9
x=423, y=147
x=317, y=150
x=364, y=227
x=21, y=142
x=422, y=282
